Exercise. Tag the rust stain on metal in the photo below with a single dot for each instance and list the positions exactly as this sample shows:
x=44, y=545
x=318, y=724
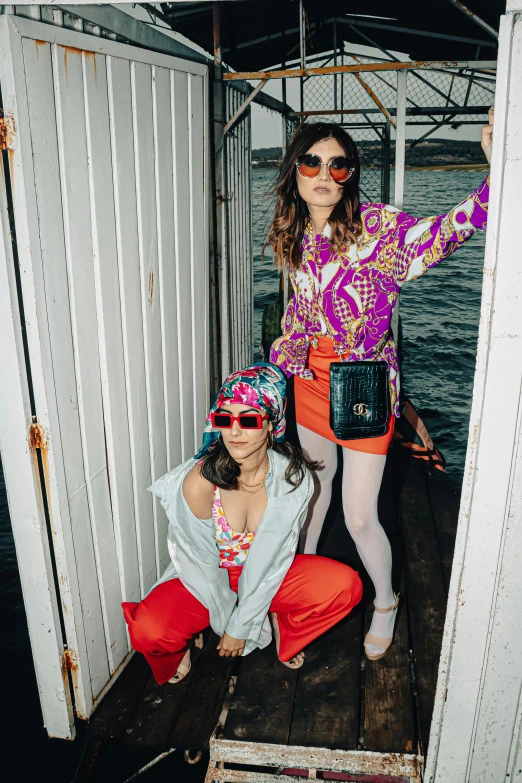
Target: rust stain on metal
x=39, y=442
x=69, y=50
x=72, y=49
x=7, y=131
x=293, y=73
x=92, y=56
x=37, y=437
x=375, y=99
x=151, y=287
x=69, y=662
x=465, y=9
x=308, y=758
x=38, y=45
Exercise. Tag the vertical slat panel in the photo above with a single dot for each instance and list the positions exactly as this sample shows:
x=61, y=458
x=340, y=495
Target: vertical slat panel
x=239, y=232
x=19, y=461
x=229, y=141
x=93, y=488
x=241, y=237
x=240, y=254
x=180, y=141
x=144, y=144
x=110, y=347
x=208, y=201
x=234, y=240
x=237, y=210
x=244, y=255
x=66, y=470
x=110, y=320
x=122, y=147
x=165, y=195
x=233, y=236
x=198, y=254
x=164, y=171
x=249, y=240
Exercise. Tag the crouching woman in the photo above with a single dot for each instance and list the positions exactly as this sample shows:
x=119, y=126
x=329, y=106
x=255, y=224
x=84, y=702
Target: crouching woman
x=235, y=513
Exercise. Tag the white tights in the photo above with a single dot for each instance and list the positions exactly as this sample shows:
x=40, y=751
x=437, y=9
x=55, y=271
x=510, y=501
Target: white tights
x=362, y=476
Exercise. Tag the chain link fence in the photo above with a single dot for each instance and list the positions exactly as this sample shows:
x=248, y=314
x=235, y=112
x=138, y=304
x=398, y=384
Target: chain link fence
x=358, y=98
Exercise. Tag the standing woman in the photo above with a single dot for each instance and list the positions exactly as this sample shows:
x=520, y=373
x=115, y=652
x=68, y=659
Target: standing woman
x=347, y=263
x=235, y=513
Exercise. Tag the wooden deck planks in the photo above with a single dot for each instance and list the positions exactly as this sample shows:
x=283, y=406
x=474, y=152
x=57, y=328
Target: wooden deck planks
x=114, y=713
x=326, y=706
x=444, y=498
x=389, y=724
x=201, y=707
x=425, y=587
x=154, y=717
x=262, y=705
x=388, y=712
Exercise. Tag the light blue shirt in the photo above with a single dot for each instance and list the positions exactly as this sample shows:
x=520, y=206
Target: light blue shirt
x=195, y=556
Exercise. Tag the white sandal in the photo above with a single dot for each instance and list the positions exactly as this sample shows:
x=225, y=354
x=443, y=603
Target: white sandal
x=379, y=641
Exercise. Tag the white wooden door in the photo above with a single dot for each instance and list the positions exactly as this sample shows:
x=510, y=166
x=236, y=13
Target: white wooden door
x=104, y=333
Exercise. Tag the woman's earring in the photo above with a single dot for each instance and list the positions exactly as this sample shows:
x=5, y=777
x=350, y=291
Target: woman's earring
x=270, y=439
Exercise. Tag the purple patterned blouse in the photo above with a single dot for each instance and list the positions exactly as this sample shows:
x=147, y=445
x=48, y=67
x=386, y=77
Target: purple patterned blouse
x=350, y=295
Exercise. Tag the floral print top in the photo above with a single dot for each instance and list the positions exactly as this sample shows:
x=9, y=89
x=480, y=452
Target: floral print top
x=350, y=295
x=233, y=547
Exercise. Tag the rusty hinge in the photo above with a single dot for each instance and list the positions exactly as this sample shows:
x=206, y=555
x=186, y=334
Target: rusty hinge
x=37, y=436
x=6, y=131
x=3, y=134
x=69, y=662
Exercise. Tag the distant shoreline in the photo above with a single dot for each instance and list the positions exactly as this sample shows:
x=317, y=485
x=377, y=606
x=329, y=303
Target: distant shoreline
x=450, y=167
x=436, y=167
x=429, y=155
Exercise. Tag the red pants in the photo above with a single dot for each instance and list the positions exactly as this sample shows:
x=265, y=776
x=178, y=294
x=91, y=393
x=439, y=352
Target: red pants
x=315, y=594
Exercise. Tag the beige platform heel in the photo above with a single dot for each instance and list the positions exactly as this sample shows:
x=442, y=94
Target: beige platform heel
x=378, y=641
x=186, y=664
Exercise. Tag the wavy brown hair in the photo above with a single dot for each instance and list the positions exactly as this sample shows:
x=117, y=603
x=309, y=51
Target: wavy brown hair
x=291, y=212
x=221, y=469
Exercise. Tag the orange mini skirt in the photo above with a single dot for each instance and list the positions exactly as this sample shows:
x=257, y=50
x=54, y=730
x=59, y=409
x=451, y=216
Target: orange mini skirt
x=312, y=403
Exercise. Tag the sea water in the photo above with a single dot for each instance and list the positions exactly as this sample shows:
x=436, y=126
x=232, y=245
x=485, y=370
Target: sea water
x=440, y=314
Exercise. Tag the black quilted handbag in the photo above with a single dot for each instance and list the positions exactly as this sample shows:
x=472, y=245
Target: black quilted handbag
x=359, y=399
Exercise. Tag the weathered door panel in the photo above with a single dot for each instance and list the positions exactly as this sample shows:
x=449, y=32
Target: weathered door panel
x=108, y=167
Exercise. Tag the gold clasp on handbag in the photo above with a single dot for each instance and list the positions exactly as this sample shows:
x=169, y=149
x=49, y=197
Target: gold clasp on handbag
x=360, y=408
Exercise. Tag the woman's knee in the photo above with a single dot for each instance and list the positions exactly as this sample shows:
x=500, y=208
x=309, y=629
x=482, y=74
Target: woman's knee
x=146, y=629
x=359, y=521
x=334, y=581
x=349, y=584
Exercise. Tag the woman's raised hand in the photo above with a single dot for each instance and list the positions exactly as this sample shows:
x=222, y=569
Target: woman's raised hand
x=230, y=647
x=487, y=134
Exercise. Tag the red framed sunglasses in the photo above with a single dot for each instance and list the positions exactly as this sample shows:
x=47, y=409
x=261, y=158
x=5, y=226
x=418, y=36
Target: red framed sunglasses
x=339, y=168
x=247, y=421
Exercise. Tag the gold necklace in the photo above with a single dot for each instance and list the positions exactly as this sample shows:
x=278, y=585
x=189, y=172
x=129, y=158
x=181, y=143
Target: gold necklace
x=320, y=232
x=251, y=490
x=317, y=246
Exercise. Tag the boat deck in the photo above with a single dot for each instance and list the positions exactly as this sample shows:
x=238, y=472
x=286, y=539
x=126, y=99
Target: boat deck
x=378, y=714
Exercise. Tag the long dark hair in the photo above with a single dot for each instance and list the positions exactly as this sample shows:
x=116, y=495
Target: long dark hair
x=221, y=469
x=291, y=212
